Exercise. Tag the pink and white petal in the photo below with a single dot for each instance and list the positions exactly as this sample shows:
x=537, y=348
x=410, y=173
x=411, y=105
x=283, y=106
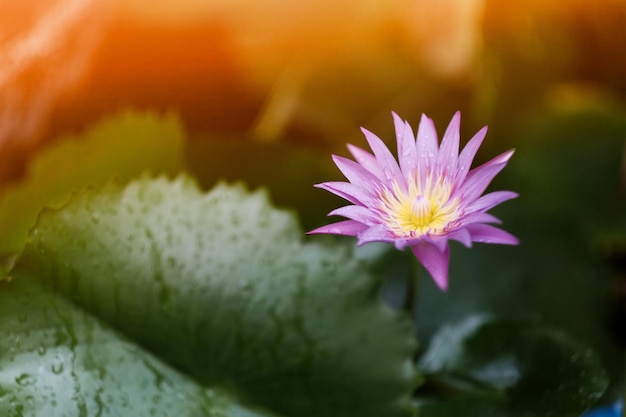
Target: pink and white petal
x=435, y=262
x=468, y=153
x=366, y=160
x=411, y=161
x=385, y=159
x=359, y=213
x=345, y=228
x=462, y=235
x=348, y=191
x=398, y=125
x=501, y=159
x=407, y=152
x=426, y=143
x=403, y=243
x=504, y=157
x=355, y=173
x=491, y=200
x=477, y=183
x=376, y=233
x=485, y=233
x=448, y=156
x=440, y=242
x=479, y=217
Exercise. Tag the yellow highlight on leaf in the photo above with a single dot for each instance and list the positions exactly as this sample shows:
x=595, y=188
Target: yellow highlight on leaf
x=120, y=148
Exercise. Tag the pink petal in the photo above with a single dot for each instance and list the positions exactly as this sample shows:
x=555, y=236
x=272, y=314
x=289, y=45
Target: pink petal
x=355, y=173
x=367, y=160
x=358, y=213
x=426, y=144
x=478, y=181
x=485, y=233
x=491, y=200
x=385, y=159
x=402, y=244
x=435, y=262
x=501, y=159
x=376, y=233
x=449, y=150
x=462, y=235
x=440, y=242
x=407, y=152
x=468, y=153
x=479, y=217
x=345, y=228
x=348, y=191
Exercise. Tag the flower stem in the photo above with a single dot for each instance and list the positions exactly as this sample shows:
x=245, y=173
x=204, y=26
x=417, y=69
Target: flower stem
x=410, y=297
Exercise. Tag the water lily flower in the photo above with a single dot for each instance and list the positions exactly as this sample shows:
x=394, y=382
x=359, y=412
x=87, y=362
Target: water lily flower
x=427, y=199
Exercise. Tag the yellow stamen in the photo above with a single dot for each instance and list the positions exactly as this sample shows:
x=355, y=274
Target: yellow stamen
x=424, y=209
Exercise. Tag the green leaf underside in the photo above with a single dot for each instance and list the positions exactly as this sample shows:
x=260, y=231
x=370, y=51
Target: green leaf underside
x=221, y=286
x=121, y=147
x=506, y=367
x=57, y=361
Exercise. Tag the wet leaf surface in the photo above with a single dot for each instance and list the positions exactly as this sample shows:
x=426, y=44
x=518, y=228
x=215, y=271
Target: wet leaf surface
x=57, y=361
x=221, y=286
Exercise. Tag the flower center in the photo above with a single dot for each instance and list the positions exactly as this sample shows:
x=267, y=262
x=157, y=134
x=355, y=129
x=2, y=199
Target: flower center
x=426, y=209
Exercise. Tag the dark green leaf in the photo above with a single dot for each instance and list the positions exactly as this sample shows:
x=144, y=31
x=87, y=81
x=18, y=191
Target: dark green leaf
x=512, y=367
x=56, y=361
x=221, y=286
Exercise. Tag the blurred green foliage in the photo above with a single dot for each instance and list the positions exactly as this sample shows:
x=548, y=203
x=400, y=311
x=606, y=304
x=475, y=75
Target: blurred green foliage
x=121, y=147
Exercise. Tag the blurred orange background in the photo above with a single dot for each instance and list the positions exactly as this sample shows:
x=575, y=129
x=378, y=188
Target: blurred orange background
x=308, y=72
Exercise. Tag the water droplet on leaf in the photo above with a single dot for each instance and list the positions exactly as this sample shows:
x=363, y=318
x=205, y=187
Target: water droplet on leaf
x=57, y=367
x=25, y=380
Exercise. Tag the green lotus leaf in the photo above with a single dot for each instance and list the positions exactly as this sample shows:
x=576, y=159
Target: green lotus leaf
x=221, y=286
x=511, y=367
x=57, y=361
